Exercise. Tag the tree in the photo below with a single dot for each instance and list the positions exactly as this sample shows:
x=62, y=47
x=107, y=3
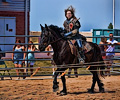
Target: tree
x=110, y=26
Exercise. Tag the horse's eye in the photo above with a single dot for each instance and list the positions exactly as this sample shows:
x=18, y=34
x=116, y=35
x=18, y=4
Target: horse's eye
x=46, y=33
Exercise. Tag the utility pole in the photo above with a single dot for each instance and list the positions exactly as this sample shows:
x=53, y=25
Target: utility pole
x=26, y=20
x=113, y=14
x=26, y=28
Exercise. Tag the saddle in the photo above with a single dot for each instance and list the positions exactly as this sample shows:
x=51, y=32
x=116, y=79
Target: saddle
x=86, y=47
x=72, y=47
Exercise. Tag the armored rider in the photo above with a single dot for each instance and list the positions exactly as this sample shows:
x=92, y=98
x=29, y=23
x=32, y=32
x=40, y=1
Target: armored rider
x=71, y=27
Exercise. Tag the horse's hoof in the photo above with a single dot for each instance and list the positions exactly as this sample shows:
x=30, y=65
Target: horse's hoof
x=102, y=90
x=56, y=89
x=55, y=86
x=63, y=92
x=90, y=91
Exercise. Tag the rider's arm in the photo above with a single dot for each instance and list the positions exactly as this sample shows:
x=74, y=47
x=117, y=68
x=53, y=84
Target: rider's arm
x=75, y=31
x=118, y=43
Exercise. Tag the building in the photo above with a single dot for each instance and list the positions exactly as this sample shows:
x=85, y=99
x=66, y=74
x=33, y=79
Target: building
x=87, y=34
x=12, y=21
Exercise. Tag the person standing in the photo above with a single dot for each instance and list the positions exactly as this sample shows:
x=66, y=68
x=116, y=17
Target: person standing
x=110, y=52
x=17, y=56
x=30, y=56
x=103, y=47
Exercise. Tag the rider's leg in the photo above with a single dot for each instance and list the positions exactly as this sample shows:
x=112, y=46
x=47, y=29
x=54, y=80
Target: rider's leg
x=80, y=49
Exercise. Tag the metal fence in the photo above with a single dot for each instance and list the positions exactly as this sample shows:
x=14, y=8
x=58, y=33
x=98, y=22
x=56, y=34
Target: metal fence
x=9, y=70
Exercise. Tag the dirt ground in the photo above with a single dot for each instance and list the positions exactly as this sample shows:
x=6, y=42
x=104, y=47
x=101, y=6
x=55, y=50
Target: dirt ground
x=42, y=89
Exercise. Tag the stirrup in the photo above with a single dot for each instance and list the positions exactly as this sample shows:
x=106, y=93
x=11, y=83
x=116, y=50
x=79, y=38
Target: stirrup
x=81, y=60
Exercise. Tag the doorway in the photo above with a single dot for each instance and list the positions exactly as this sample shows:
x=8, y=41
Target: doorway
x=7, y=28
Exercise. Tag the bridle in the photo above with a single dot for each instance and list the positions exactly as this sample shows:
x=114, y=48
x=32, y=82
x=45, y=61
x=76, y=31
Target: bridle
x=50, y=31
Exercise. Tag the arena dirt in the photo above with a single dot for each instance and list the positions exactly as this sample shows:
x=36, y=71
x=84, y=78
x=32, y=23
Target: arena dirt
x=42, y=89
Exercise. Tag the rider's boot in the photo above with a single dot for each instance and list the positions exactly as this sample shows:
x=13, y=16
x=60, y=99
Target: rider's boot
x=81, y=56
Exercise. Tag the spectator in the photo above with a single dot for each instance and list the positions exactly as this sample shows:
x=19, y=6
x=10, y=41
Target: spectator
x=110, y=55
x=103, y=47
x=31, y=48
x=49, y=48
x=17, y=55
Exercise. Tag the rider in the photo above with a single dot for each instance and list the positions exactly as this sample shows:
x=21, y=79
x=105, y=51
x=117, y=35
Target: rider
x=71, y=27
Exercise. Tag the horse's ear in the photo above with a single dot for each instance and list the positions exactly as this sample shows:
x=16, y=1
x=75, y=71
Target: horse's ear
x=41, y=27
x=46, y=26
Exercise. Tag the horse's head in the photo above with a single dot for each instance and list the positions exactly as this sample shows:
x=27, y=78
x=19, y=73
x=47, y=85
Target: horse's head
x=50, y=35
x=45, y=37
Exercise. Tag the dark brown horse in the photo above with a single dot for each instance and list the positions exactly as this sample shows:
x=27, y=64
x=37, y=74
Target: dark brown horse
x=63, y=56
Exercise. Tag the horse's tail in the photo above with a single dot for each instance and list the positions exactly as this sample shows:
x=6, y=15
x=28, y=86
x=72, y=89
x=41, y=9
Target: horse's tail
x=102, y=67
x=102, y=64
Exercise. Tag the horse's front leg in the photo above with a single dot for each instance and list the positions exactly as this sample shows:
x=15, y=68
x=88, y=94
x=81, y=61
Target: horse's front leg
x=64, y=91
x=100, y=84
x=55, y=83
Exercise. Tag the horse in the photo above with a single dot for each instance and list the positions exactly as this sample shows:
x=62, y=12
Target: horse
x=52, y=35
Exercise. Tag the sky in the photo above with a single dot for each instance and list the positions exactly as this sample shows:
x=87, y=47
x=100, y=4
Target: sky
x=93, y=14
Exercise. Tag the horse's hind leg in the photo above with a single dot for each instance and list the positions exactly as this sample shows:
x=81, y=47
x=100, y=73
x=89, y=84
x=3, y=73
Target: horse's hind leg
x=100, y=84
x=64, y=91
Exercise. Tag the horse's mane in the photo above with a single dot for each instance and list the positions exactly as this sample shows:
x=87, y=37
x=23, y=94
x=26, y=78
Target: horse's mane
x=57, y=29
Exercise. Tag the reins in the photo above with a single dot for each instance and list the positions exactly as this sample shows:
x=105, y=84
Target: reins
x=56, y=40
x=56, y=36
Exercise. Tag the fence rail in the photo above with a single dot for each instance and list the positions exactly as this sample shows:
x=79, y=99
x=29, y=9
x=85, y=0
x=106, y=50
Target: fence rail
x=68, y=66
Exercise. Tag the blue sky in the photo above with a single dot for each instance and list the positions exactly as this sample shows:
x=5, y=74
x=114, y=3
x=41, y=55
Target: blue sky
x=94, y=14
